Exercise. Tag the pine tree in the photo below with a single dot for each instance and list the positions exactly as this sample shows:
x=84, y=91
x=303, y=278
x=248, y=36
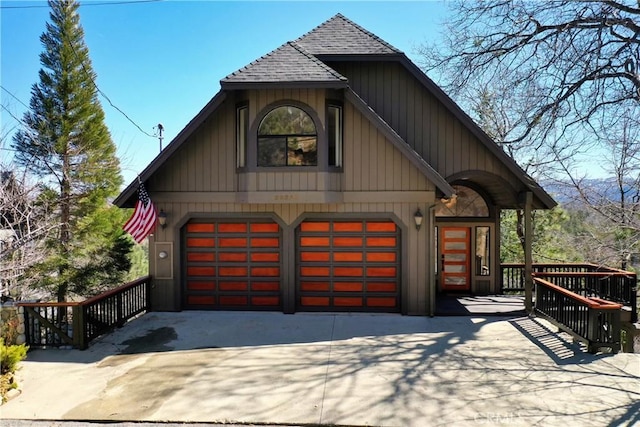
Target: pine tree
x=67, y=144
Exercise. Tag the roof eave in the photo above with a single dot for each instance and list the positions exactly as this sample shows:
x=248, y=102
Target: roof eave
x=242, y=85
x=126, y=198
x=335, y=57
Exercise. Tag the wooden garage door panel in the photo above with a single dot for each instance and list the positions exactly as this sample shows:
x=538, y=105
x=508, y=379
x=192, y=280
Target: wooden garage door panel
x=194, y=285
x=315, y=256
x=232, y=227
x=232, y=264
x=200, y=228
x=232, y=256
x=201, y=256
x=194, y=242
x=264, y=227
x=201, y=300
x=233, y=286
x=347, y=226
x=315, y=226
x=348, y=265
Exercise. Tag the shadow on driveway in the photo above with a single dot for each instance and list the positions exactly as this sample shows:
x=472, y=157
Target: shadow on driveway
x=361, y=369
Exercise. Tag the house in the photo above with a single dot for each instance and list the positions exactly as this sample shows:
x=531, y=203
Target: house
x=330, y=174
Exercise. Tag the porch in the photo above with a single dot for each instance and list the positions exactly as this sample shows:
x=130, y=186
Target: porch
x=596, y=305
x=480, y=305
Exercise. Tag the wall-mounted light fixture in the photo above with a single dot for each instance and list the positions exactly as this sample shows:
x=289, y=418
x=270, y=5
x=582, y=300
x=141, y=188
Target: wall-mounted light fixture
x=162, y=218
x=417, y=217
x=163, y=254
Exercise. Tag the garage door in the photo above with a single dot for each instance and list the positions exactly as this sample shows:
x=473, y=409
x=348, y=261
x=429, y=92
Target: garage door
x=348, y=266
x=232, y=265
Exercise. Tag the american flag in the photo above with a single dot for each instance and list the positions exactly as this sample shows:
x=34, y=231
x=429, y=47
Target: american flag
x=144, y=217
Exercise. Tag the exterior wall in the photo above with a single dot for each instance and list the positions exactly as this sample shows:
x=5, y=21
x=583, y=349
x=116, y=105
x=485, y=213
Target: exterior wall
x=372, y=163
x=200, y=180
x=416, y=273
x=419, y=118
x=206, y=162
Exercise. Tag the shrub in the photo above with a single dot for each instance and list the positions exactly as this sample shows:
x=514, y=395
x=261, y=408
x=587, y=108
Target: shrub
x=9, y=330
x=10, y=356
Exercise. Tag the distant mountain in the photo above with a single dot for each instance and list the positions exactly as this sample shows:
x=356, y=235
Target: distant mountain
x=566, y=194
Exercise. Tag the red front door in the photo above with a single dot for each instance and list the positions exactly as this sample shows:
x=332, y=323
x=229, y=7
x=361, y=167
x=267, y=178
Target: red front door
x=455, y=254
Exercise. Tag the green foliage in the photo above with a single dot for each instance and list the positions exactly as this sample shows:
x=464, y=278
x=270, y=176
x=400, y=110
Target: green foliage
x=139, y=262
x=9, y=326
x=553, y=232
x=72, y=152
x=10, y=356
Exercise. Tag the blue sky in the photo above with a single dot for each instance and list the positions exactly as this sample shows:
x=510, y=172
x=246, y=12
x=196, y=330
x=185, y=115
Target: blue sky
x=161, y=62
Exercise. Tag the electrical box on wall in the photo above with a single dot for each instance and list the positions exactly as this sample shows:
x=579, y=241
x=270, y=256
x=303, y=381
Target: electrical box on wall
x=164, y=260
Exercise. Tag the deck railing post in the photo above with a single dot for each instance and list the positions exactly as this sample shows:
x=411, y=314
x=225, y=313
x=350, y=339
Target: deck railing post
x=592, y=331
x=616, y=330
x=528, y=254
x=120, y=318
x=79, y=327
x=147, y=292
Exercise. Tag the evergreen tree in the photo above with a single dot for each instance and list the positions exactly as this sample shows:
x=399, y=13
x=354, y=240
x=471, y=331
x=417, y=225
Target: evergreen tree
x=68, y=146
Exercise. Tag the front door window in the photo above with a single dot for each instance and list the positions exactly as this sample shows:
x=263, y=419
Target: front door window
x=455, y=259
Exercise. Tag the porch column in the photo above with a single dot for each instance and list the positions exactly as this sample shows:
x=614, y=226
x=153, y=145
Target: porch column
x=528, y=257
x=431, y=262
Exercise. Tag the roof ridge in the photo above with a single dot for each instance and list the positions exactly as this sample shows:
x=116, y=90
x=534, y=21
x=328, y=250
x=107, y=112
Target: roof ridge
x=312, y=57
x=367, y=32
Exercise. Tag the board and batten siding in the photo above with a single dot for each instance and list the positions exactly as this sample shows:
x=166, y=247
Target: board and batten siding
x=419, y=118
x=206, y=161
x=372, y=163
x=166, y=293
x=201, y=181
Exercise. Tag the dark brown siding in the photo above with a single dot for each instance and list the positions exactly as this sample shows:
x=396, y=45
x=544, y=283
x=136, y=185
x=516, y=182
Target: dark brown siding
x=419, y=118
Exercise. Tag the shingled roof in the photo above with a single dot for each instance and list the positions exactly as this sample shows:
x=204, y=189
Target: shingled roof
x=289, y=65
x=340, y=36
x=295, y=63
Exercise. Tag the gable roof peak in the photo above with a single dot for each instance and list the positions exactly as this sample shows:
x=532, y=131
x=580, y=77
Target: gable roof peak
x=340, y=36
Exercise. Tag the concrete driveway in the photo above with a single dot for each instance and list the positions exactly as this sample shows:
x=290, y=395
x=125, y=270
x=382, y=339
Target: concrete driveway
x=381, y=370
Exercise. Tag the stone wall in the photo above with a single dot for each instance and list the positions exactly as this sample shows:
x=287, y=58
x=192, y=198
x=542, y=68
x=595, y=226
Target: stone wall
x=12, y=322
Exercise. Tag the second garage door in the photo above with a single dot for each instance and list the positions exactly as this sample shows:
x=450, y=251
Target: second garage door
x=349, y=265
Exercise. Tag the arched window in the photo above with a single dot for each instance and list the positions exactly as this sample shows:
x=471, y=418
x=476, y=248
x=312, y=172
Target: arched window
x=466, y=203
x=287, y=136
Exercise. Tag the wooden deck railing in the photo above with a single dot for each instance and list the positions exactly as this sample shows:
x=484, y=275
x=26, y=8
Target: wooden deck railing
x=587, y=280
x=76, y=324
x=512, y=274
x=594, y=321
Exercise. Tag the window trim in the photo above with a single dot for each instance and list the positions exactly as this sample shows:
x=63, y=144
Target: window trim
x=242, y=143
x=252, y=153
x=339, y=145
x=286, y=138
